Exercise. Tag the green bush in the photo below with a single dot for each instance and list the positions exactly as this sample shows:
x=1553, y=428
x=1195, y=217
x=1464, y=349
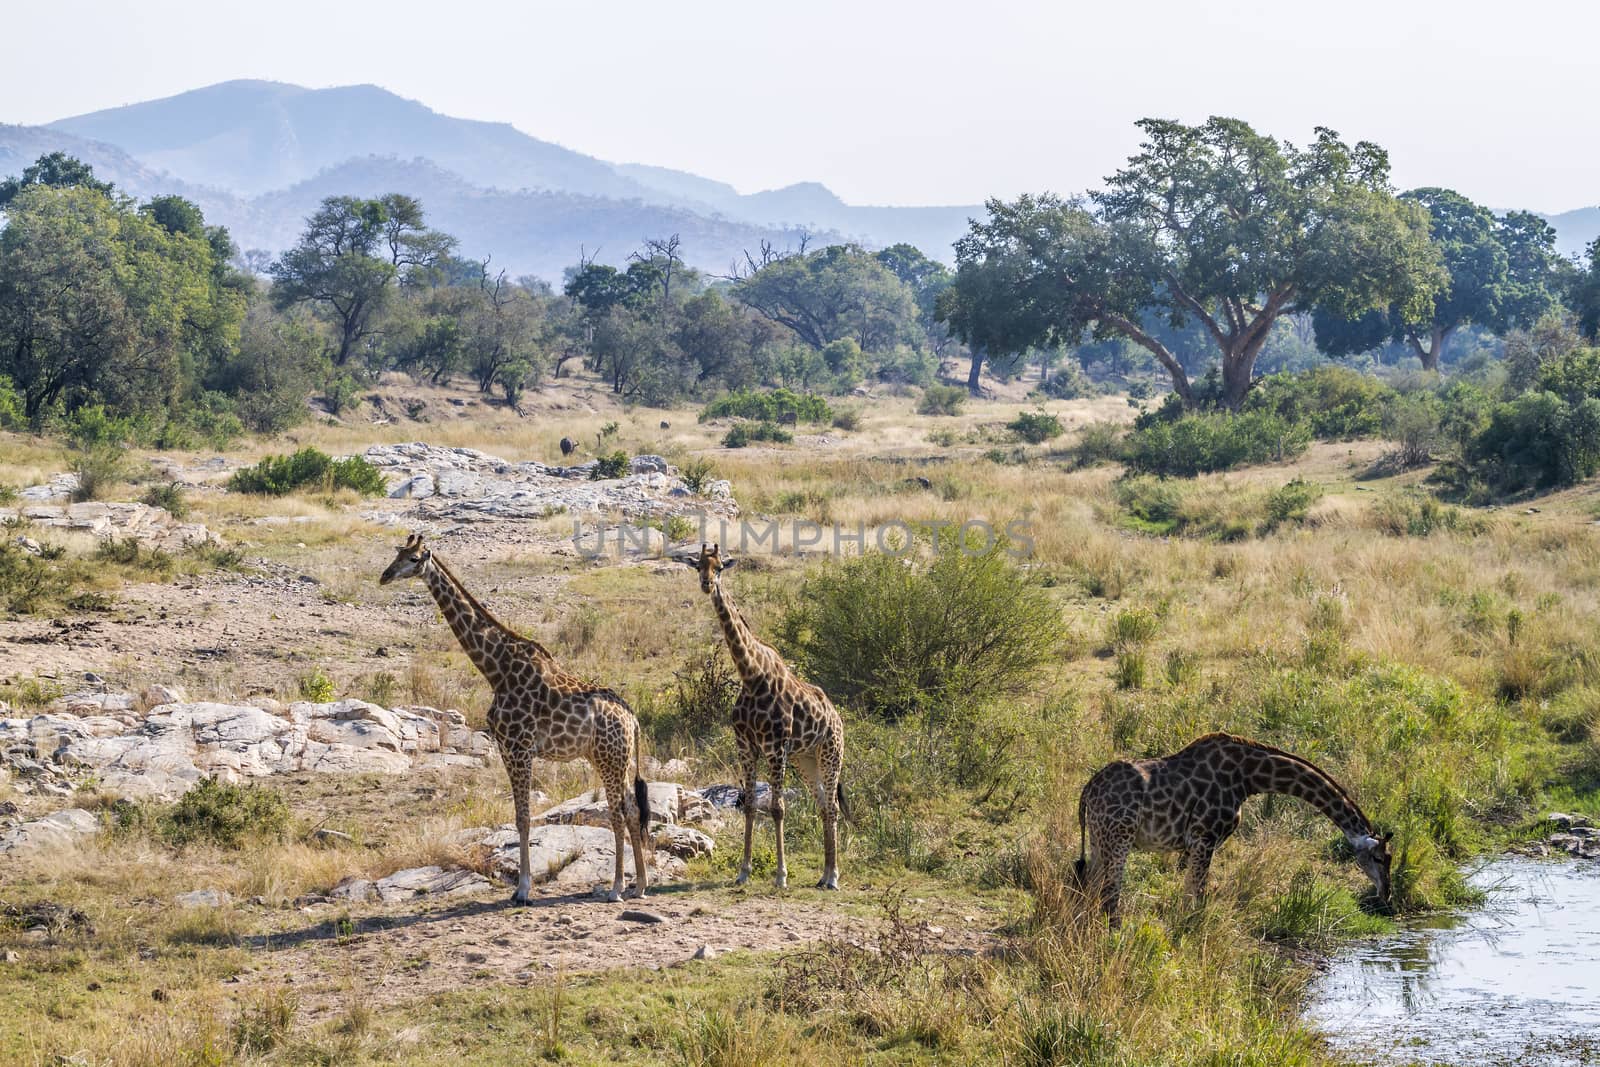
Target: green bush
x=848, y=419
x=614, y=465
x=894, y=634
x=30, y=583
x=1099, y=442
x=742, y=433
x=98, y=467
x=12, y=411
x=1198, y=443
x=697, y=475
x=1290, y=503
x=769, y=406
x=1035, y=427
x=226, y=815
x=308, y=468
x=1338, y=403
x=942, y=400
x=317, y=687
x=169, y=498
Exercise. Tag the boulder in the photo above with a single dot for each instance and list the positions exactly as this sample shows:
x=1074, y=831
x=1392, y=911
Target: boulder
x=180, y=743
x=565, y=854
x=668, y=804
x=58, y=829
x=684, y=842
x=428, y=881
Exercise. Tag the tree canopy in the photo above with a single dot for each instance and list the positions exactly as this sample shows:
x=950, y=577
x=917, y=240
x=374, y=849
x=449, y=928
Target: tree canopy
x=1214, y=222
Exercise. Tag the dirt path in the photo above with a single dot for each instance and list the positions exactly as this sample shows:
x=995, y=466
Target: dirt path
x=410, y=951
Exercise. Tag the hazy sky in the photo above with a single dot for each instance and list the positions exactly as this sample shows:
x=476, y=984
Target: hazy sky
x=908, y=103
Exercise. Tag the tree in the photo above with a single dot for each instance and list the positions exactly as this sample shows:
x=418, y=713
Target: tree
x=56, y=170
x=1500, y=276
x=348, y=259
x=835, y=292
x=1585, y=290
x=1213, y=222
x=100, y=304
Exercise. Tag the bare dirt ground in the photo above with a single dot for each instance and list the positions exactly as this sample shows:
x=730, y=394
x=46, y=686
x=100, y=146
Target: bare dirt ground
x=412, y=951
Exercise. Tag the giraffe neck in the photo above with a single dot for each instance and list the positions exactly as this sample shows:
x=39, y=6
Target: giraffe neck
x=484, y=638
x=746, y=650
x=1270, y=771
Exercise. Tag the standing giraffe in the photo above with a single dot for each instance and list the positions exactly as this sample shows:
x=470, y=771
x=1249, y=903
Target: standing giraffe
x=540, y=711
x=1189, y=802
x=778, y=717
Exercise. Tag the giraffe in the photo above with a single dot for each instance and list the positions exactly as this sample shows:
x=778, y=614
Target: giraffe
x=1189, y=802
x=540, y=711
x=780, y=718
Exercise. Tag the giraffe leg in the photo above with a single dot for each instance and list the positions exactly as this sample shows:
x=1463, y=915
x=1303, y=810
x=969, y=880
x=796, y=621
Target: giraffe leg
x=1197, y=867
x=780, y=771
x=520, y=768
x=747, y=764
x=1107, y=872
x=612, y=780
x=822, y=776
x=637, y=831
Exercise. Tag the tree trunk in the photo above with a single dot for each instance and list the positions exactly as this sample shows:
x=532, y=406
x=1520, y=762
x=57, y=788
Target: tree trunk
x=972, y=375
x=1430, y=356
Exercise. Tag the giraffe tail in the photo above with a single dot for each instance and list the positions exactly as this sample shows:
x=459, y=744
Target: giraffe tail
x=641, y=791
x=844, y=806
x=1080, y=869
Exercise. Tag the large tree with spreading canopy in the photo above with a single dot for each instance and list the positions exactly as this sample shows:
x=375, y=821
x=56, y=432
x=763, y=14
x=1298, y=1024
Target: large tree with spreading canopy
x=1215, y=223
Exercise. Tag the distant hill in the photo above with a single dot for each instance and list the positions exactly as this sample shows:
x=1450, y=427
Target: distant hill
x=529, y=232
x=1575, y=230
x=250, y=138
x=258, y=155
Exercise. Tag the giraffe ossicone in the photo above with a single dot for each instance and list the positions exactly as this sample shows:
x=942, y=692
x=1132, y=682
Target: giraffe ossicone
x=541, y=711
x=781, y=719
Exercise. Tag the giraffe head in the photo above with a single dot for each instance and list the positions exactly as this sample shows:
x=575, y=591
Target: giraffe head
x=1373, y=857
x=710, y=563
x=408, y=562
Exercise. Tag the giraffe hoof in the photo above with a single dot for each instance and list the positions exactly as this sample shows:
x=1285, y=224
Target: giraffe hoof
x=781, y=882
x=828, y=883
x=613, y=897
x=519, y=898
x=633, y=892
x=744, y=876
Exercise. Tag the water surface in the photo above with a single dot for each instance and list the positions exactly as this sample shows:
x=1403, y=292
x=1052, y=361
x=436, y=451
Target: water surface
x=1514, y=982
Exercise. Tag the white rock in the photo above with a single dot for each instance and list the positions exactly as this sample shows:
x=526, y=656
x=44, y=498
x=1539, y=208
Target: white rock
x=56, y=830
x=154, y=696
x=428, y=881
x=685, y=842
x=203, y=898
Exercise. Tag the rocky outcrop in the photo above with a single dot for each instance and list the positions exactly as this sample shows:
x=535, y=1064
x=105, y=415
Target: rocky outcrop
x=465, y=484
x=175, y=745
x=410, y=884
x=669, y=803
x=150, y=526
x=56, y=830
x=564, y=854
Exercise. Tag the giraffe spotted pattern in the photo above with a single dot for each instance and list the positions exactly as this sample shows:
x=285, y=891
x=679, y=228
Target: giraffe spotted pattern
x=780, y=719
x=540, y=711
x=1190, y=801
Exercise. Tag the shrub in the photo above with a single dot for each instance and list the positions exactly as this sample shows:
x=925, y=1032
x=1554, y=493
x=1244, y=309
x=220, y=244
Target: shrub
x=1035, y=427
x=942, y=400
x=29, y=583
x=217, y=813
x=742, y=433
x=12, y=412
x=1197, y=443
x=1419, y=515
x=98, y=467
x=167, y=497
x=317, y=687
x=613, y=466
x=1338, y=403
x=1099, y=442
x=1154, y=505
x=769, y=406
x=1412, y=423
x=309, y=467
x=697, y=475
x=893, y=635
x=1290, y=503
x=848, y=419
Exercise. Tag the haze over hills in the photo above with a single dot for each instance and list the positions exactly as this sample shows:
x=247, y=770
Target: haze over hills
x=259, y=155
